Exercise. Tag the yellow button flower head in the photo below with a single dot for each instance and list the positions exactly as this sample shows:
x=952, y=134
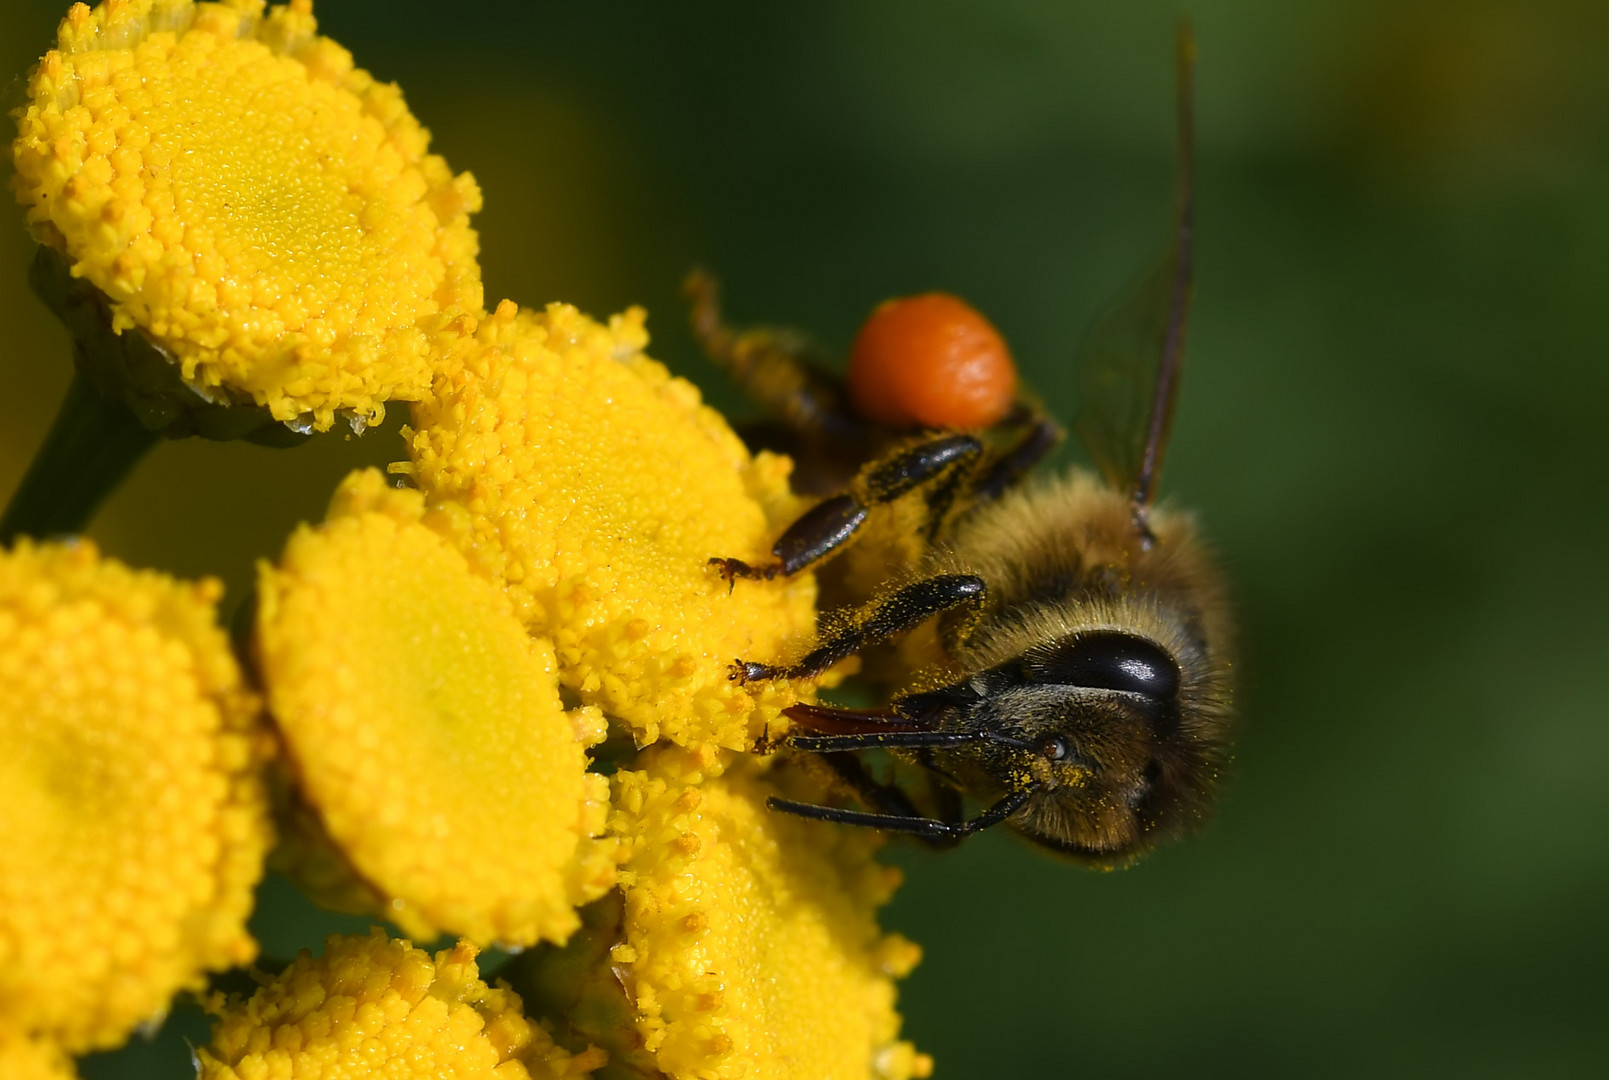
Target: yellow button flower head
x=373, y=1007
x=263, y=210
x=750, y=947
x=22, y=1058
x=598, y=488
x=424, y=727
x=134, y=821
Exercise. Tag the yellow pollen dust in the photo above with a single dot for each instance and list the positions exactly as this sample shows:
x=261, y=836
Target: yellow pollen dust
x=134, y=820
x=597, y=487
x=751, y=947
x=424, y=728
x=257, y=205
x=375, y=1007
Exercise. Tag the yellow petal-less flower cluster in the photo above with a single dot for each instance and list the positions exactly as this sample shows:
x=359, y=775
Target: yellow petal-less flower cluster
x=373, y=1007
x=424, y=728
x=750, y=947
x=598, y=487
x=267, y=212
x=22, y=1058
x=134, y=821
x=438, y=660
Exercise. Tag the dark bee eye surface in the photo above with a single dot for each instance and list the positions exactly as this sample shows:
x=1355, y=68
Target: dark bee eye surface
x=1106, y=660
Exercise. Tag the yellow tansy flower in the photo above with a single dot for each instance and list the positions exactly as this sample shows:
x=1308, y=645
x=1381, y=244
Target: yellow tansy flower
x=22, y=1058
x=598, y=487
x=750, y=948
x=423, y=725
x=266, y=212
x=373, y=1007
x=134, y=821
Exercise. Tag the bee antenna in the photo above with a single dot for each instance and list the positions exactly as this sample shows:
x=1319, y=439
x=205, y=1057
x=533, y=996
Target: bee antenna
x=1167, y=379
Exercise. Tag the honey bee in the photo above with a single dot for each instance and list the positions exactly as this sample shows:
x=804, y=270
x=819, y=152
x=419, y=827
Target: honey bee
x=1061, y=648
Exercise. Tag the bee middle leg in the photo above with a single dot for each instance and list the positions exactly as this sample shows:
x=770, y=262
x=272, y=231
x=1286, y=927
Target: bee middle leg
x=909, y=607
x=829, y=524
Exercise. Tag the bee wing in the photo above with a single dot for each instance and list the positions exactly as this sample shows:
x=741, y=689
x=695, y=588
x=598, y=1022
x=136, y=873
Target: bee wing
x=1128, y=364
x=1118, y=372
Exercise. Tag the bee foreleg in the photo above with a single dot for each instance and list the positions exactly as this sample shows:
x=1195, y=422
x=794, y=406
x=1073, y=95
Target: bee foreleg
x=925, y=827
x=885, y=797
x=909, y=607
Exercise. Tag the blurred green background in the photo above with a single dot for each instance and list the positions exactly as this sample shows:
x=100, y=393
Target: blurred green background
x=1392, y=426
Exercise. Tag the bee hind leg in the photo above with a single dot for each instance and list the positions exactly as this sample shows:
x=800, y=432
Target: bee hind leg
x=774, y=367
x=909, y=607
x=831, y=523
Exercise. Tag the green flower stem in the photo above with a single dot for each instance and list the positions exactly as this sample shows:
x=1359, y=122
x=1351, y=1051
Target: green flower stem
x=93, y=444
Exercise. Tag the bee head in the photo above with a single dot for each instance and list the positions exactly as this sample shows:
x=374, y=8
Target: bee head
x=1116, y=736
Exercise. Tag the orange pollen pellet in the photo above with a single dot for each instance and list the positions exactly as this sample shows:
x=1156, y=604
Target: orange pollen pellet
x=931, y=361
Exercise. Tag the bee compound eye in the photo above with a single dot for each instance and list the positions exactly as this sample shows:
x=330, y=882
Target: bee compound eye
x=1107, y=660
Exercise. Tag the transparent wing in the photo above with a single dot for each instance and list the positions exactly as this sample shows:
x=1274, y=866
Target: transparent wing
x=1117, y=366
x=1128, y=364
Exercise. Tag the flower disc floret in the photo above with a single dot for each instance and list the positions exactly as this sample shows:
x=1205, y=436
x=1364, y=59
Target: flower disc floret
x=22, y=1058
x=751, y=947
x=134, y=820
x=376, y=1007
x=265, y=211
x=424, y=729
x=598, y=487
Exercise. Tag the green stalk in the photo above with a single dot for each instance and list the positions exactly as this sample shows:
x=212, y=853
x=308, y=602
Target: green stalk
x=93, y=444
